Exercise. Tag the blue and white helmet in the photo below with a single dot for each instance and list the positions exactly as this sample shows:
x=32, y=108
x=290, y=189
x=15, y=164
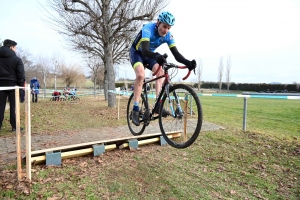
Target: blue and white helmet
x=167, y=18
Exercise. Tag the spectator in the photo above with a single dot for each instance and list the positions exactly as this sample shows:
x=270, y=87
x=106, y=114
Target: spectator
x=35, y=89
x=56, y=96
x=73, y=92
x=11, y=74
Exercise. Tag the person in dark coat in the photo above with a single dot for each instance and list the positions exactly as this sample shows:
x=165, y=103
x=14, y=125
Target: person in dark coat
x=11, y=74
x=35, y=89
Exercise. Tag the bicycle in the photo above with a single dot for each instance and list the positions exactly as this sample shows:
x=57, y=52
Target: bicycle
x=73, y=98
x=180, y=100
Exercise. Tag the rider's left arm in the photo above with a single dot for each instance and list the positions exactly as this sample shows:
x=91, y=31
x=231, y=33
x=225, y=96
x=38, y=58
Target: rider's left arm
x=178, y=56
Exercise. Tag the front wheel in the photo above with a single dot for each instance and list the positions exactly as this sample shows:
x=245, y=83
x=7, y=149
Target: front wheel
x=136, y=130
x=181, y=128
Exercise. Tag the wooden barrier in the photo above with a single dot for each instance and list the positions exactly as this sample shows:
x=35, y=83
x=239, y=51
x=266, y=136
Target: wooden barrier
x=70, y=151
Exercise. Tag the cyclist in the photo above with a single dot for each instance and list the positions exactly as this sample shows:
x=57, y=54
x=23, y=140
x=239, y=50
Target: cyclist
x=142, y=54
x=72, y=93
x=56, y=95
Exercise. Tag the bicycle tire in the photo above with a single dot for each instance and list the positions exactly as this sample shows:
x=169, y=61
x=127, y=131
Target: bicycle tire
x=76, y=99
x=136, y=130
x=188, y=121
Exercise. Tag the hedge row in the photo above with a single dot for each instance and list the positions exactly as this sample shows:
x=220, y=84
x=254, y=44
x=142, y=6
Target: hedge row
x=258, y=87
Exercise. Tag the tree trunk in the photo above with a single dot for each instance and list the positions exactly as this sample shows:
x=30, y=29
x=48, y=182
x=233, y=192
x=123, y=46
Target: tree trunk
x=108, y=57
x=105, y=86
x=110, y=76
x=95, y=87
x=199, y=85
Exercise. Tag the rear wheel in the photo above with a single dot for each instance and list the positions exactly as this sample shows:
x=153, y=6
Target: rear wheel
x=136, y=130
x=182, y=129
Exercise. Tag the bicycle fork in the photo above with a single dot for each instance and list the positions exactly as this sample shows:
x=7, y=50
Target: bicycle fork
x=178, y=112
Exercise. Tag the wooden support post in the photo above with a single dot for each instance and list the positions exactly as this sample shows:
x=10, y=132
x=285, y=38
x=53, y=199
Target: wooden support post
x=119, y=107
x=18, y=133
x=118, y=91
x=28, y=131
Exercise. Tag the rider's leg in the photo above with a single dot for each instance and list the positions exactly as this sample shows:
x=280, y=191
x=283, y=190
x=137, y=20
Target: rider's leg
x=138, y=87
x=139, y=80
x=159, y=82
x=158, y=85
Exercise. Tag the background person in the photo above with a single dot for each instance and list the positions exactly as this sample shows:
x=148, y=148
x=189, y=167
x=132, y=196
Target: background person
x=35, y=89
x=11, y=74
x=56, y=96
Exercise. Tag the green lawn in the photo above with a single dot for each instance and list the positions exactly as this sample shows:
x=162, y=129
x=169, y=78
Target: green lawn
x=278, y=118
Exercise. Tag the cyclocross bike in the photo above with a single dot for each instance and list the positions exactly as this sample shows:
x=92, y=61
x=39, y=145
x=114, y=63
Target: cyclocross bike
x=180, y=100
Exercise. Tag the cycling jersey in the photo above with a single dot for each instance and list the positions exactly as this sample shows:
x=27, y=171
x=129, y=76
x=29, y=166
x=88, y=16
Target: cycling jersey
x=141, y=53
x=149, y=33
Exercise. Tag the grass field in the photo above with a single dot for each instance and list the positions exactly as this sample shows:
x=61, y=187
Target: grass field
x=261, y=163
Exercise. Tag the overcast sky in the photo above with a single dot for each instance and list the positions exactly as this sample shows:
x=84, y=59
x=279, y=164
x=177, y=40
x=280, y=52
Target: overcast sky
x=262, y=37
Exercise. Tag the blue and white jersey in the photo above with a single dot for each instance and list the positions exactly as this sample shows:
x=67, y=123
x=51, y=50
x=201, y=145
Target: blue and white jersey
x=149, y=33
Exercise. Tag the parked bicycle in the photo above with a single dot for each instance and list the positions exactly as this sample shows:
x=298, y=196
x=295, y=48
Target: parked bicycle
x=73, y=98
x=180, y=100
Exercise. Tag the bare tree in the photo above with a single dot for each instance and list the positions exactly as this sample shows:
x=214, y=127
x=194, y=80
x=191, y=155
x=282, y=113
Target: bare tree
x=80, y=80
x=28, y=62
x=228, y=69
x=104, y=28
x=70, y=74
x=42, y=68
x=200, y=68
x=297, y=85
x=220, y=73
x=97, y=71
x=56, y=62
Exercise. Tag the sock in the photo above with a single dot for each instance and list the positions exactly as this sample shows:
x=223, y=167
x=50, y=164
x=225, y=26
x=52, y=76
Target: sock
x=136, y=106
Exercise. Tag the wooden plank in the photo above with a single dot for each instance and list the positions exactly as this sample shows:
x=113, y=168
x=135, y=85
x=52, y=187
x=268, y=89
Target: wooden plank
x=149, y=141
x=28, y=131
x=83, y=152
x=124, y=145
x=99, y=142
x=175, y=135
x=86, y=151
x=71, y=154
x=184, y=121
x=18, y=133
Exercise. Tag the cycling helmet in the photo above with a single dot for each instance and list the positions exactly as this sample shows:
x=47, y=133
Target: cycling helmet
x=167, y=18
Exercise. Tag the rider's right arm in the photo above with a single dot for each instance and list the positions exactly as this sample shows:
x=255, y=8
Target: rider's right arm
x=146, y=52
